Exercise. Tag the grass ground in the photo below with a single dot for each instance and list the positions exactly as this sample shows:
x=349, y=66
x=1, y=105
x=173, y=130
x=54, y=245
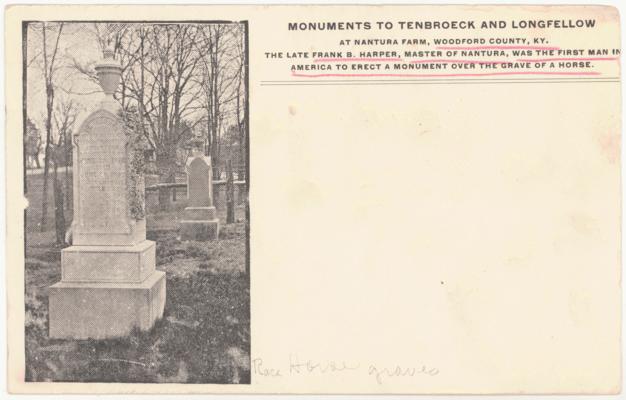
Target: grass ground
x=204, y=336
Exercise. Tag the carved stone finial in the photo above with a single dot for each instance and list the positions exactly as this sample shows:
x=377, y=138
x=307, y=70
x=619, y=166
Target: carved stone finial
x=109, y=73
x=197, y=145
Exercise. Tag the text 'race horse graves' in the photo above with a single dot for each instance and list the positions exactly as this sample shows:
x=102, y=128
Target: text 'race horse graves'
x=109, y=285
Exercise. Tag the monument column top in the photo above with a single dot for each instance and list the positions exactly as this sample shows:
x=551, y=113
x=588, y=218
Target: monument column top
x=109, y=73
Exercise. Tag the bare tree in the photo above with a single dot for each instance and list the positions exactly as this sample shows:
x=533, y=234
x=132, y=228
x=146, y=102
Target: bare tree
x=176, y=77
x=240, y=107
x=159, y=62
x=220, y=73
x=65, y=116
x=50, y=37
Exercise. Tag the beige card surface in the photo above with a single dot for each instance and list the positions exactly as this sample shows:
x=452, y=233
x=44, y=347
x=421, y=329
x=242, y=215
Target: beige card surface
x=313, y=199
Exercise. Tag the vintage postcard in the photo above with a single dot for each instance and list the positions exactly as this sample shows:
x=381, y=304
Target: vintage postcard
x=313, y=199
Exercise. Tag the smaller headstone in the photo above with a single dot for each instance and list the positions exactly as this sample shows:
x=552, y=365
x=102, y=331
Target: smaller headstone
x=200, y=220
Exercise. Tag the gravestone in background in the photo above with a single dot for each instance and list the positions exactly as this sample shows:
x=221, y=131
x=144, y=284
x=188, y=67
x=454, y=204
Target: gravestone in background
x=109, y=284
x=200, y=221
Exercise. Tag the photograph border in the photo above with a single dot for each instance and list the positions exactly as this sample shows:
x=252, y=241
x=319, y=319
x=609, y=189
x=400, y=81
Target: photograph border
x=246, y=57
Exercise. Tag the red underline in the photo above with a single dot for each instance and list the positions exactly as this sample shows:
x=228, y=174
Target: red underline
x=456, y=61
x=295, y=74
x=570, y=59
x=441, y=60
x=356, y=59
x=497, y=48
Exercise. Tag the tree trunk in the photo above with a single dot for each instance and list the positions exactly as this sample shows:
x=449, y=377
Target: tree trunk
x=173, y=180
x=48, y=72
x=59, y=214
x=240, y=128
x=68, y=152
x=230, y=194
x=44, y=199
x=46, y=160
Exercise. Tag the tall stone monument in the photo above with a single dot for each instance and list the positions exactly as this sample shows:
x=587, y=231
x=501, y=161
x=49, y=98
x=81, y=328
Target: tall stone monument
x=109, y=285
x=200, y=221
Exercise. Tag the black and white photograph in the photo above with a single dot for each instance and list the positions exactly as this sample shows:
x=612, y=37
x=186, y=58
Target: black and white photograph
x=136, y=175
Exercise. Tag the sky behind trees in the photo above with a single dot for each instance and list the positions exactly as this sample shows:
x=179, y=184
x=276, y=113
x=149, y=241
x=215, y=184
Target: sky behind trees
x=178, y=80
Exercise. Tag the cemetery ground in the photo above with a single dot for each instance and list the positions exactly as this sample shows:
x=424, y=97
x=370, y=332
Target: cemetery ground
x=204, y=336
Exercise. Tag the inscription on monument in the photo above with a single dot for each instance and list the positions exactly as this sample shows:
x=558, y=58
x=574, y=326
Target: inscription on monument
x=102, y=178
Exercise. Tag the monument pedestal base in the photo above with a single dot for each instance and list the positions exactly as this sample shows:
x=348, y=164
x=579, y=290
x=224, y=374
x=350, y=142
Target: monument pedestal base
x=128, y=264
x=199, y=230
x=100, y=310
x=200, y=223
